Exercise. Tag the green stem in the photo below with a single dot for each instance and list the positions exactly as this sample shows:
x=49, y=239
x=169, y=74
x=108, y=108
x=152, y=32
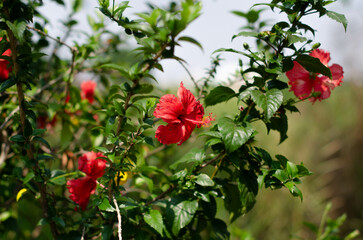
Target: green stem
x=323, y=220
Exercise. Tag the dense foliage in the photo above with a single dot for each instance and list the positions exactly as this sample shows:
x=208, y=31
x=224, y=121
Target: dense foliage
x=91, y=159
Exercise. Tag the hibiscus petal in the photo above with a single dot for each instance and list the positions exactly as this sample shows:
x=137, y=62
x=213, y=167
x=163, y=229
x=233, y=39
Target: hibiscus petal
x=187, y=131
x=90, y=164
x=337, y=73
x=4, y=70
x=88, y=90
x=323, y=85
x=324, y=56
x=187, y=99
x=196, y=116
x=81, y=189
x=169, y=109
x=300, y=81
x=169, y=134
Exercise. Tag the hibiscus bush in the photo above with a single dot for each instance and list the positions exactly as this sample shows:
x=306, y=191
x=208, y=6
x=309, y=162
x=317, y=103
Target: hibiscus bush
x=116, y=157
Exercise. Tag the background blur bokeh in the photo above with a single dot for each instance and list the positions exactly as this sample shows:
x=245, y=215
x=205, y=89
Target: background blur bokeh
x=326, y=136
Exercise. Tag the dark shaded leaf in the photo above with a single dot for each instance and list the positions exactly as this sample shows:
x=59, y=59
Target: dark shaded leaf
x=7, y=84
x=218, y=95
x=314, y=65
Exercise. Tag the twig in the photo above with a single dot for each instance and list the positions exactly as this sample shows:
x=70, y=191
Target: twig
x=83, y=232
x=156, y=150
x=119, y=226
x=190, y=75
x=53, y=38
x=49, y=84
x=209, y=162
x=162, y=195
x=7, y=119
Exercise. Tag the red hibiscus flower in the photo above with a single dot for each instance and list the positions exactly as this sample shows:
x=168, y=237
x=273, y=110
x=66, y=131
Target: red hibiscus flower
x=81, y=189
x=92, y=165
x=43, y=122
x=182, y=114
x=4, y=69
x=88, y=90
x=303, y=82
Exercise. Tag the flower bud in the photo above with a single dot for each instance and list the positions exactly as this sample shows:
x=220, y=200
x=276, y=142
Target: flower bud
x=316, y=45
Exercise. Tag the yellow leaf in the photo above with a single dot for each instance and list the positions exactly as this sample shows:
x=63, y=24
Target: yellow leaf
x=122, y=177
x=20, y=193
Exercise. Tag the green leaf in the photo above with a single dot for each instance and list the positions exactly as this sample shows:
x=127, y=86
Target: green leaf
x=191, y=40
x=44, y=157
x=196, y=156
x=339, y=18
x=311, y=226
x=41, y=140
x=143, y=88
x=28, y=129
x=279, y=124
x=280, y=175
x=313, y=65
x=77, y=5
x=7, y=84
x=123, y=71
x=106, y=206
x=295, y=39
x=233, y=136
x=218, y=95
x=269, y=101
x=106, y=232
x=59, y=177
x=220, y=229
x=246, y=93
x=204, y=180
x=232, y=200
x=28, y=177
x=18, y=28
x=245, y=34
x=155, y=220
x=293, y=190
x=248, y=187
x=59, y=221
x=17, y=138
x=183, y=214
x=292, y=169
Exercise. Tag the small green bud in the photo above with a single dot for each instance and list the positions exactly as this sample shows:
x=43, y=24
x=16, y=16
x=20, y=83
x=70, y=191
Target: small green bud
x=246, y=46
x=316, y=45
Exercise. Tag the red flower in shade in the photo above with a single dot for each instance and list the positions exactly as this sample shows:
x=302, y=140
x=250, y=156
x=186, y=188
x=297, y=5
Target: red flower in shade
x=4, y=69
x=303, y=82
x=81, y=189
x=92, y=165
x=182, y=114
x=88, y=90
x=43, y=122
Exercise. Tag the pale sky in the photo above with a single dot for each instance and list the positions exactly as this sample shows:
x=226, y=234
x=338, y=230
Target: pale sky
x=216, y=26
